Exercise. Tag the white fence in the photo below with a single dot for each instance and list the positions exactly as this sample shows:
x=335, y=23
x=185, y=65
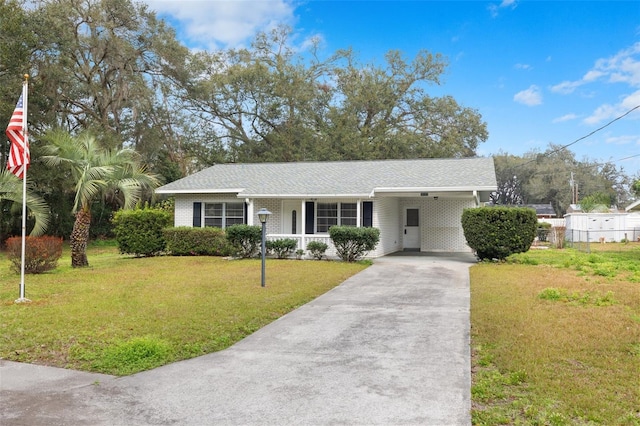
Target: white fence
x=553, y=222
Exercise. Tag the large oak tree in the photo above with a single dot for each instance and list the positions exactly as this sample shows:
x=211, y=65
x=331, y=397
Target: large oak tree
x=270, y=102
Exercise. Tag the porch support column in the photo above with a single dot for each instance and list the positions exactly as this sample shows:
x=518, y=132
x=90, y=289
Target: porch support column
x=250, y=210
x=359, y=213
x=303, y=223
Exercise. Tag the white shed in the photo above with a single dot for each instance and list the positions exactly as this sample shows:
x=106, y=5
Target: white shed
x=599, y=227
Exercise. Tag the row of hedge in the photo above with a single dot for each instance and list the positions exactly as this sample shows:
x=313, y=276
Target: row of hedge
x=493, y=233
x=147, y=232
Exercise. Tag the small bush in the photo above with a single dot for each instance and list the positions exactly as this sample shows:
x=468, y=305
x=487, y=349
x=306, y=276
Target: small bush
x=245, y=240
x=282, y=248
x=353, y=243
x=497, y=232
x=317, y=249
x=139, y=231
x=41, y=254
x=186, y=241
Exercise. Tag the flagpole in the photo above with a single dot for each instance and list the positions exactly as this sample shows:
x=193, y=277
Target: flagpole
x=25, y=93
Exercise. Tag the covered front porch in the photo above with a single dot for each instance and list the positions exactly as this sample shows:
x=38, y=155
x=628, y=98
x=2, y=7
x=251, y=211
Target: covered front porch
x=418, y=222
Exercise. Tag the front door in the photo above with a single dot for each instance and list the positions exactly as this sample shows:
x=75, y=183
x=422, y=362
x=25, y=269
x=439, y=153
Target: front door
x=411, y=237
x=291, y=219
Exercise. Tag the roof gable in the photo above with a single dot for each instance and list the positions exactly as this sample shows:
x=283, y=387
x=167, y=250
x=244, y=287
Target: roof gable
x=355, y=178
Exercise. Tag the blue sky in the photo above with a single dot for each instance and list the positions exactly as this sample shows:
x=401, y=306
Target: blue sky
x=538, y=72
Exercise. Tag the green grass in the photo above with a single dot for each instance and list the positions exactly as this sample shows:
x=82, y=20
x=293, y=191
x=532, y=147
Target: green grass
x=556, y=338
x=123, y=315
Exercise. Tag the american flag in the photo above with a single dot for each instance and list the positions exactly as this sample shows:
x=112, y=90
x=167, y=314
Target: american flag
x=19, y=156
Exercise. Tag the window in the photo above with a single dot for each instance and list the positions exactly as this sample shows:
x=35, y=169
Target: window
x=294, y=222
x=348, y=214
x=330, y=214
x=221, y=215
x=327, y=216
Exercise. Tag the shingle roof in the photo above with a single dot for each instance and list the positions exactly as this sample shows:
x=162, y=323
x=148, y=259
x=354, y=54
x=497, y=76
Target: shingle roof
x=339, y=177
x=542, y=209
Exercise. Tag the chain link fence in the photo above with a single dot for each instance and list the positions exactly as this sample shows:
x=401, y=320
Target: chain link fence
x=584, y=240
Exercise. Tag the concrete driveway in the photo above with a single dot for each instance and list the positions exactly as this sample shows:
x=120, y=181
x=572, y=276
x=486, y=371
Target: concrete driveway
x=389, y=346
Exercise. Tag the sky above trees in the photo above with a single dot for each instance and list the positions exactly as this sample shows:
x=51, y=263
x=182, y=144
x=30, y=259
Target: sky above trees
x=538, y=72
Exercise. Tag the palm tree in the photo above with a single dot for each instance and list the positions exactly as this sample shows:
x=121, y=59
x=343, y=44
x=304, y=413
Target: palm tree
x=96, y=173
x=11, y=189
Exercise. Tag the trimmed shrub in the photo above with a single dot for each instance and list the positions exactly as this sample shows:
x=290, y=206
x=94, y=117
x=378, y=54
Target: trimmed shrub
x=139, y=231
x=245, y=240
x=282, y=248
x=41, y=254
x=352, y=243
x=187, y=241
x=497, y=232
x=317, y=249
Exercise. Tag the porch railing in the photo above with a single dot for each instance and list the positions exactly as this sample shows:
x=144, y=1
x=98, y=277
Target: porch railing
x=303, y=240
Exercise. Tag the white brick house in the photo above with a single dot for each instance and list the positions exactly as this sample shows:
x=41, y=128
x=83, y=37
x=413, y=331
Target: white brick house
x=416, y=204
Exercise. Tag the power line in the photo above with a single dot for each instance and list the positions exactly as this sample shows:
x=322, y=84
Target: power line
x=596, y=130
x=546, y=154
x=627, y=158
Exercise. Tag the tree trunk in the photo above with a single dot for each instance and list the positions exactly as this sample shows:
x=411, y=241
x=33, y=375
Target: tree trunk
x=80, y=238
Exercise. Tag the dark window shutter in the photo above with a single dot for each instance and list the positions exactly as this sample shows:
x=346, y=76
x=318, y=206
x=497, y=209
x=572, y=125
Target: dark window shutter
x=197, y=215
x=367, y=214
x=246, y=214
x=309, y=220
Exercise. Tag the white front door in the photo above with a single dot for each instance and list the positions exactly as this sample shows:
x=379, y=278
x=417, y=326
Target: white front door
x=411, y=234
x=291, y=217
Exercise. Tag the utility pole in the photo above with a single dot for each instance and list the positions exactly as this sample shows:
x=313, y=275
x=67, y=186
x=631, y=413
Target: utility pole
x=574, y=189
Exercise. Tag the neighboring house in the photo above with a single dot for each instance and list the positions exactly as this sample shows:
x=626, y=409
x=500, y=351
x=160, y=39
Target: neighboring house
x=416, y=204
x=543, y=211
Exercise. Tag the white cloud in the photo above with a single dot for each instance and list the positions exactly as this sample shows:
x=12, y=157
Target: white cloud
x=224, y=24
x=592, y=75
x=566, y=87
x=522, y=66
x=495, y=8
x=623, y=67
x=529, y=97
x=566, y=117
x=623, y=140
x=609, y=112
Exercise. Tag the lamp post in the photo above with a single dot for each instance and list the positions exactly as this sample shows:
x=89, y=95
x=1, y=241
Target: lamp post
x=263, y=215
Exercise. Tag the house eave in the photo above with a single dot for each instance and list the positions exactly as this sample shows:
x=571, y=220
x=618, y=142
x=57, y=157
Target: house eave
x=305, y=196
x=434, y=190
x=200, y=191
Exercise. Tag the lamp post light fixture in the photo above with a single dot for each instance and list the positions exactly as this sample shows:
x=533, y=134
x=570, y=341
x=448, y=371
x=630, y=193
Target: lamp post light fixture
x=263, y=215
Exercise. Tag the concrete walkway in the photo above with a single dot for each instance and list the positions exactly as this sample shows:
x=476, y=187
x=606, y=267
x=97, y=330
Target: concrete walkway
x=389, y=346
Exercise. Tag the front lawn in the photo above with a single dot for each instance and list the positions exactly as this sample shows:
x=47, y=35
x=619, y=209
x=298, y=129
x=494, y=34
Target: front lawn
x=556, y=338
x=123, y=315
